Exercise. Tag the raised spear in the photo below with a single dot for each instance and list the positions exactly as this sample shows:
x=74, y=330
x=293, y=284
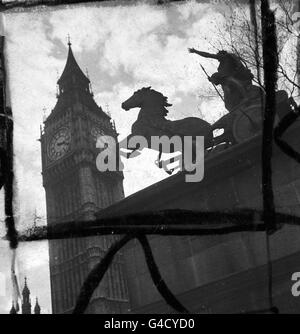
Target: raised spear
x=208, y=77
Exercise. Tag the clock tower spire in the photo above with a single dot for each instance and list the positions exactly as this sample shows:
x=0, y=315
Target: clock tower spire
x=76, y=190
x=26, y=304
x=72, y=77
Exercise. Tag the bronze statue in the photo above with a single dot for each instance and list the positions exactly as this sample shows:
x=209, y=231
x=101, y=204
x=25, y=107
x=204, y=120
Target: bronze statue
x=232, y=75
x=152, y=120
x=244, y=101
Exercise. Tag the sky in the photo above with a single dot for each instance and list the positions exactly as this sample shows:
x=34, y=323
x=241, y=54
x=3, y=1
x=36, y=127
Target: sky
x=124, y=48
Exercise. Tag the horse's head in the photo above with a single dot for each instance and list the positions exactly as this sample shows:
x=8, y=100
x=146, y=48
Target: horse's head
x=146, y=97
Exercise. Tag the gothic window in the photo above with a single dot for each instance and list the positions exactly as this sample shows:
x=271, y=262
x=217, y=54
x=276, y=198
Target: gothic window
x=67, y=287
x=116, y=280
x=78, y=281
x=68, y=255
x=63, y=290
x=121, y=281
x=59, y=197
x=65, y=247
x=72, y=289
x=73, y=197
x=74, y=248
x=110, y=279
x=68, y=197
x=63, y=203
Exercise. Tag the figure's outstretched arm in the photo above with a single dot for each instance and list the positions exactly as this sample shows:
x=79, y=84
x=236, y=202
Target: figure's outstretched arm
x=203, y=54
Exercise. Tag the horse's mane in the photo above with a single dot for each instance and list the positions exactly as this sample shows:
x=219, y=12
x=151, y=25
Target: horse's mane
x=156, y=94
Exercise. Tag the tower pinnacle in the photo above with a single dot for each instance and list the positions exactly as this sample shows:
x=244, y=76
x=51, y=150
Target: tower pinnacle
x=26, y=302
x=37, y=308
x=72, y=78
x=26, y=305
x=73, y=85
x=13, y=309
x=69, y=40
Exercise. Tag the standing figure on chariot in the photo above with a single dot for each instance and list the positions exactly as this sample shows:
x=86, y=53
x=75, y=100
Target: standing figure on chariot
x=244, y=101
x=234, y=77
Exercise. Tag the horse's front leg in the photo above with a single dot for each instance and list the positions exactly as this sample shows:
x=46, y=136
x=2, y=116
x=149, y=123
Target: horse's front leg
x=131, y=154
x=163, y=164
x=158, y=161
x=125, y=144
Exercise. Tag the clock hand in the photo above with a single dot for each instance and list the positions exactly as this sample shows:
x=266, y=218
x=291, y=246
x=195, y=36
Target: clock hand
x=62, y=143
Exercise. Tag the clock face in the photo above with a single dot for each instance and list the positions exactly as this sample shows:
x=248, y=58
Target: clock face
x=96, y=132
x=59, y=144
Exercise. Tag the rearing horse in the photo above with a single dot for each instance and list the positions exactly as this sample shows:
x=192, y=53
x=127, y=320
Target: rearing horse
x=152, y=120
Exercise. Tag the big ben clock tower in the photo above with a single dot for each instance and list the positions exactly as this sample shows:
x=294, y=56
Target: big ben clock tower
x=75, y=190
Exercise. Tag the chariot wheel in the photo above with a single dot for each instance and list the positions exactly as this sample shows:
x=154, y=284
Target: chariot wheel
x=247, y=123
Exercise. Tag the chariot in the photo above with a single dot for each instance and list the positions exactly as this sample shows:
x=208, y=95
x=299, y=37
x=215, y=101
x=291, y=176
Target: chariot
x=246, y=120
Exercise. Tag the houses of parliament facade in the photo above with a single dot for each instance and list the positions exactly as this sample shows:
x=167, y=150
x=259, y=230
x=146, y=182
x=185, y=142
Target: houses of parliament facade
x=26, y=307
x=76, y=190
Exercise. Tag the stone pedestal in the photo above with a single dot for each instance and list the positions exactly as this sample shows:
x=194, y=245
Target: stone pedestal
x=228, y=273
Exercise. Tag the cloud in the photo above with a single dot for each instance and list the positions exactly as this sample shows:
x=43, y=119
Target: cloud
x=83, y=24
x=30, y=91
x=142, y=46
